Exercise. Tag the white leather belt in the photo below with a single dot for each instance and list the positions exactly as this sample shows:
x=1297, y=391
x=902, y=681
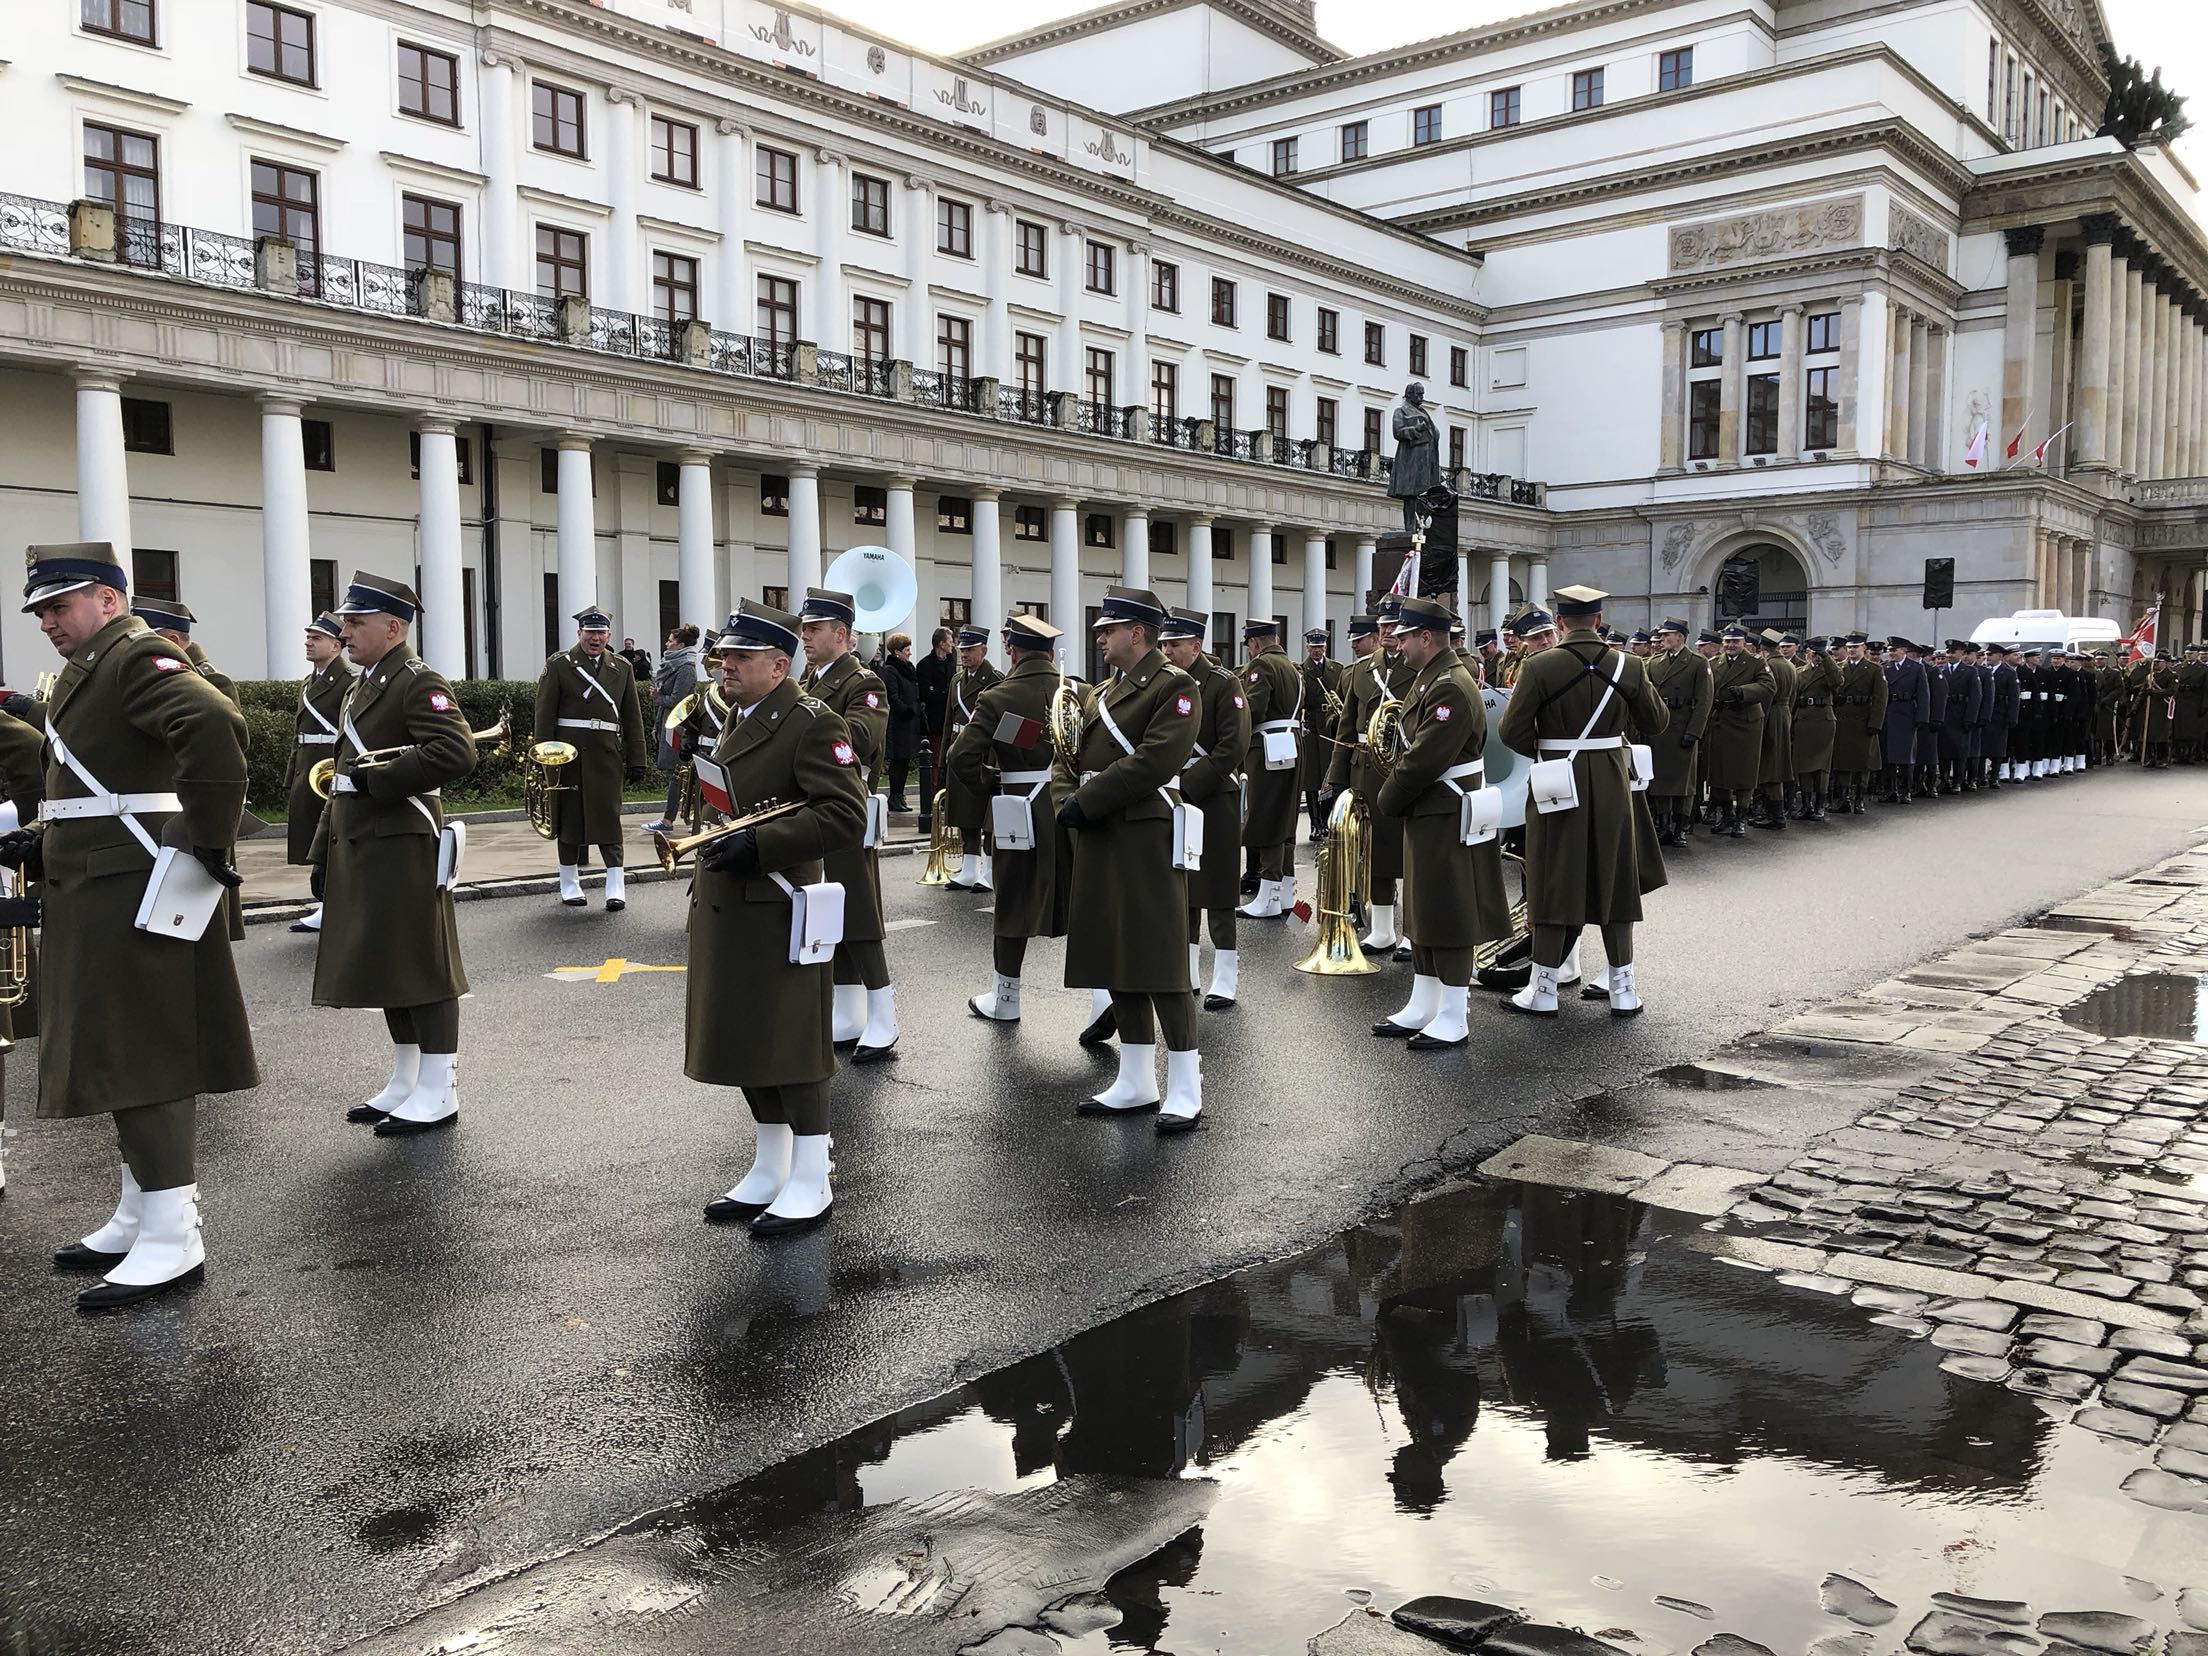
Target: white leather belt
x=1475, y=767
x=325, y=738
x=588, y=724
x=346, y=785
x=1022, y=779
x=107, y=805
x=1278, y=724
x=1172, y=784
x=1590, y=744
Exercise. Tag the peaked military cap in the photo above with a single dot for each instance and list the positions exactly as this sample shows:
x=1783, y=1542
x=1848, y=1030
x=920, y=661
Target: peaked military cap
x=1314, y=635
x=1736, y=630
x=1254, y=628
x=164, y=613
x=1533, y=621
x=593, y=617
x=1136, y=604
x=1672, y=624
x=968, y=637
x=50, y=571
x=756, y=626
x=1030, y=632
x=825, y=604
x=1486, y=635
x=1184, y=623
x=1362, y=626
x=1578, y=600
x=1423, y=615
x=327, y=623
x=367, y=594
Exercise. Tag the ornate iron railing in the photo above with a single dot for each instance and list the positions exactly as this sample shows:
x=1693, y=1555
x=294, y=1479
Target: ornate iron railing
x=1025, y=407
x=34, y=226
x=357, y=284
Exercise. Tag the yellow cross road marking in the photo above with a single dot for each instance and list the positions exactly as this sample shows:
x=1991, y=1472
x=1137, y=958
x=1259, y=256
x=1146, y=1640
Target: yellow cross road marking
x=610, y=971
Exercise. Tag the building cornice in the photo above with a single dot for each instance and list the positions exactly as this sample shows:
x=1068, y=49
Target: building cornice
x=256, y=128
x=85, y=87
x=459, y=177
x=1134, y=11
x=564, y=203
x=2078, y=185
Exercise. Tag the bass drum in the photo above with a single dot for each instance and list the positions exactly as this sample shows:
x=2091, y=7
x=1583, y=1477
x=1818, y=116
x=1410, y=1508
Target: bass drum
x=1507, y=768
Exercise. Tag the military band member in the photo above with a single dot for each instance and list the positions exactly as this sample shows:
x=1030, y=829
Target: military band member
x=1775, y=775
x=1586, y=865
x=865, y=1000
x=2160, y=687
x=1125, y=931
x=1489, y=655
x=1859, y=712
x=1378, y=674
x=2108, y=708
x=1456, y=900
x=1740, y=698
x=1962, y=713
x=1274, y=690
x=587, y=697
x=2035, y=695
x=755, y=1019
x=1322, y=679
x=23, y=787
x=1818, y=681
x=173, y=622
x=964, y=809
x=1212, y=780
x=700, y=730
x=1006, y=751
x=1682, y=681
x=389, y=939
x=2189, y=730
x=314, y=738
x=141, y=752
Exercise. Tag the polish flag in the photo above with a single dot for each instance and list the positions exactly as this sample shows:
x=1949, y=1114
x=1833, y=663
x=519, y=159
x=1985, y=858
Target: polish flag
x=1977, y=450
x=713, y=786
x=2016, y=443
x=2140, y=640
x=2039, y=454
x=1014, y=731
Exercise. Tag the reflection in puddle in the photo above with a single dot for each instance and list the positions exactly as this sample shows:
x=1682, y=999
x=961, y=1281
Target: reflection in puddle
x=2168, y=1006
x=1524, y=1395
x=2115, y=929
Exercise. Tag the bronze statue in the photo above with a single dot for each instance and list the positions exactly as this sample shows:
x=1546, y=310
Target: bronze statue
x=1417, y=465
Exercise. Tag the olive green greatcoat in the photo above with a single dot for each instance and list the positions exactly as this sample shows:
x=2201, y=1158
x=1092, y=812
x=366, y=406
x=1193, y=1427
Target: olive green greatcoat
x=2108, y=703
x=1588, y=866
x=965, y=810
x=854, y=693
x=572, y=686
x=2162, y=702
x=1777, y=765
x=2192, y=702
x=1453, y=894
x=1817, y=681
x=388, y=933
x=233, y=907
x=1032, y=887
x=1682, y=681
x=1213, y=780
x=213, y=674
x=1858, y=715
x=1370, y=680
x=314, y=738
x=2135, y=697
x=1312, y=724
x=133, y=1018
x=1740, y=695
x=753, y=1019
x=1271, y=685
x=1126, y=928
x=23, y=784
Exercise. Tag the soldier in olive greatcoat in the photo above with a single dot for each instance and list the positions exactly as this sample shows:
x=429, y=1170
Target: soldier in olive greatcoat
x=755, y=1018
x=389, y=938
x=587, y=697
x=1212, y=781
x=173, y=621
x=964, y=809
x=1740, y=696
x=1377, y=675
x=1858, y=715
x=1126, y=928
x=1682, y=679
x=1273, y=689
x=313, y=739
x=1007, y=752
x=1775, y=773
x=1322, y=679
x=1817, y=682
x=142, y=754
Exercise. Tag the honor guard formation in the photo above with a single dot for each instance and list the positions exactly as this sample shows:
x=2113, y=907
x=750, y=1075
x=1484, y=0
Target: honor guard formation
x=1133, y=818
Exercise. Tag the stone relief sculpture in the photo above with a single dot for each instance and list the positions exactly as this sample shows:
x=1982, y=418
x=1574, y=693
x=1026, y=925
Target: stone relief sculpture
x=1678, y=542
x=1919, y=238
x=1768, y=235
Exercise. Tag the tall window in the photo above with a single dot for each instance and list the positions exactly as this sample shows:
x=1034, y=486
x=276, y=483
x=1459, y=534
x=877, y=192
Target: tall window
x=153, y=574
x=1426, y=124
x=563, y=263
x=1329, y=421
x=1284, y=157
x=1100, y=376
x=429, y=84
x=1706, y=348
x=1503, y=107
x=1762, y=434
x=869, y=204
x=954, y=227
x=125, y=19
x=279, y=42
x=1821, y=333
x=869, y=329
x=556, y=119
x=287, y=203
x=1165, y=286
x=1356, y=140
x=1276, y=411
x=1418, y=356
x=1372, y=430
x=869, y=505
x=1675, y=70
x=1587, y=89
x=1821, y=408
x=778, y=310
x=1027, y=357
x=123, y=169
x=1030, y=523
x=1330, y=331
x=1222, y=302
x=674, y=152
x=1456, y=448
x=1763, y=341
x=674, y=288
x=1103, y=277
x=1032, y=255
x=1702, y=404
x=1222, y=401
x=1165, y=390
x=1276, y=316
x=1460, y=365
x=776, y=173
x=954, y=347
x=1376, y=344
x=432, y=234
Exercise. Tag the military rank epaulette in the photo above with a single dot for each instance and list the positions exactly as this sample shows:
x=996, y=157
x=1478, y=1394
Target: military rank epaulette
x=813, y=705
x=415, y=664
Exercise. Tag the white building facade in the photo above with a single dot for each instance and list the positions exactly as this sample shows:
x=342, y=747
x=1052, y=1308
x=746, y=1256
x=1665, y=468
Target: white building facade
x=661, y=303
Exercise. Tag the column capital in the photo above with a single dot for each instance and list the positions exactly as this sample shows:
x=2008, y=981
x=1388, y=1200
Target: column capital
x=498, y=60
x=830, y=158
x=2025, y=240
x=572, y=440
x=988, y=491
x=901, y=480
x=621, y=95
x=281, y=402
x=913, y=181
x=432, y=425
x=1796, y=309
x=802, y=468
x=728, y=127
x=2100, y=228
x=1065, y=503
x=693, y=457
x=1675, y=325
x=1202, y=520
x=97, y=379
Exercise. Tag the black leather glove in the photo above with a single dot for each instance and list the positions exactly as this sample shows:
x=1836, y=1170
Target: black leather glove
x=1733, y=697
x=736, y=855
x=21, y=848
x=19, y=706
x=636, y=775
x=1070, y=815
x=21, y=911
x=216, y=861
x=316, y=877
x=1688, y=738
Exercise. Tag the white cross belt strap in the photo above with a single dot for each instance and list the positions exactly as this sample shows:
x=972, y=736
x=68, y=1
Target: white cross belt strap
x=1276, y=742
x=1596, y=744
x=1479, y=810
x=121, y=806
x=1553, y=784
x=317, y=738
x=592, y=686
x=1022, y=779
x=588, y=724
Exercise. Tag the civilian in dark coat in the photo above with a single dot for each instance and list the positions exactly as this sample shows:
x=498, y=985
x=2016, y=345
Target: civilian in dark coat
x=1932, y=715
x=1908, y=697
x=1964, y=711
x=903, y=683
x=935, y=671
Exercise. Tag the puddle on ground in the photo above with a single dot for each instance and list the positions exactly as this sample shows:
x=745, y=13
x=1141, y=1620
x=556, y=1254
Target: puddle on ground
x=2115, y=929
x=1554, y=1401
x=2167, y=1006
x=1701, y=1075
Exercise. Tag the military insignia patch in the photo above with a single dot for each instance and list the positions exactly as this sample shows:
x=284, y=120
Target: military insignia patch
x=843, y=753
x=872, y=700
x=440, y=701
x=1184, y=704
x=168, y=664
x=1442, y=713
x=1239, y=702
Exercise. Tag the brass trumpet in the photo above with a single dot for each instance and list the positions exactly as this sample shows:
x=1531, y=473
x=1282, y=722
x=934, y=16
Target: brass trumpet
x=323, y=777
x=946, y=845
x=672, y=850
x=15, y=951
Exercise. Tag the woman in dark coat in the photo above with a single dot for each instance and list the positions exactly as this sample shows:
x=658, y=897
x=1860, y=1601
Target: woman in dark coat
x=902, y=681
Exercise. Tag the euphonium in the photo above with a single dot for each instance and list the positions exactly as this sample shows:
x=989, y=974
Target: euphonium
x=1345, y=872
x=945, y=845
x=540, y=767
x=1386, y=741
x=672, y=850
x=1067, y=713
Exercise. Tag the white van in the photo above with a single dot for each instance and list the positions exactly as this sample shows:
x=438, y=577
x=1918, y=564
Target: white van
x=2049, y=630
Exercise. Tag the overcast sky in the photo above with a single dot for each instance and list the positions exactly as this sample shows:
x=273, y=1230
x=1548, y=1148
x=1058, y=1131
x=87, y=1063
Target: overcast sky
x=2172, y=33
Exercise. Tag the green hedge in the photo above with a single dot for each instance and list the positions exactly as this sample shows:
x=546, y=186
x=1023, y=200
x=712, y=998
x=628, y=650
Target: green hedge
x=271, y=711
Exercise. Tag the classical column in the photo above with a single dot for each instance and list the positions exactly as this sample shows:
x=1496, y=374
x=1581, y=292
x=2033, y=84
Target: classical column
x=2173, y=346
x=733, y=310
x=1537, y=581
x=897, y=525
x=1314, y=581
x=1464, y=591
x=515, y=462
x=1790, y=384
x=578, y=529
x=1897, y=401
x=1134, y=548
x=1361, y=594
x=804, y=530
x=1671, y=440
x=286, y=580
x=1199, y=577
x=1920, y=388
x=1498, y=590
x=1935, y=399
x=1261, y=574
x=1065, y=582
x=2196, y=417
x=444, y=631
x=2134, y=343
x=501, y=210
x=103, y=471
x=622, y=170
x=994, y=359
x=1864, y=359
x=2092, y=445
x=988, y=582
x=1134, y=292
x=2020, y=328
x=2154, y=352
x=1063, y=372
x=1728, y=397
x=830, y=327
x=697, y=600
x=2061, y=394
x=2118, y=398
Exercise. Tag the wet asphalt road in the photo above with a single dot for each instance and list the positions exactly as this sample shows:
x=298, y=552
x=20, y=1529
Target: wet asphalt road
x=419, y=1364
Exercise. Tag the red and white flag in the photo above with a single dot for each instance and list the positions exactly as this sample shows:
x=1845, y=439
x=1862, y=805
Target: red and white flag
x=713, y=786
x=1977, y=450
x=2039, y=454
x=2016, y=443
x=2139, y=642
x=1014, y=731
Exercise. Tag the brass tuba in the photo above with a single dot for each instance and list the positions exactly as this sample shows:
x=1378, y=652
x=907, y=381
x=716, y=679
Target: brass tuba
x=946, y=845
x=540, y=773
x=323, y=777
x=1345, y=873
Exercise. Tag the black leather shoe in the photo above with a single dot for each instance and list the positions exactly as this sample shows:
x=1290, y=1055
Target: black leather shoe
x=1402, y=953
x=1509, y=1003
x=399, y=1127
x=1389, y=1030
x=614, y=905
x=78, y=1257
x=1423, y=1042
x=106, y=1296
x=1102, y=1028
x=574, y=902
x=722, y=1211
x=1217, y=1003
x=864, y=1054
x=1504, y=980
x=302, y=926
x=1171, y=1126
x=1090, y=1107
x=365, y=1112
x=1735, y=830
x=1589, y=991
x=1625, y=1011
x=774, y=1224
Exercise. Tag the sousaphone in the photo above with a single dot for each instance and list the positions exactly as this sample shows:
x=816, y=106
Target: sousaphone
x=882, y=585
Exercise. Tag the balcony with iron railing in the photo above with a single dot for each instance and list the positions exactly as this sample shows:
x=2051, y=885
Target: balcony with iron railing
x=94, y=233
